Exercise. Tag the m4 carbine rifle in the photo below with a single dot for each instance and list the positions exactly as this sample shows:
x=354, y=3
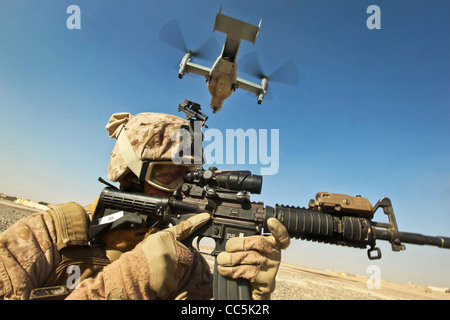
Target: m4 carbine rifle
x=330, y=218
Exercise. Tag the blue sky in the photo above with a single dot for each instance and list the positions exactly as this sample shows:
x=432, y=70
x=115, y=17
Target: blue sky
x=369, y=116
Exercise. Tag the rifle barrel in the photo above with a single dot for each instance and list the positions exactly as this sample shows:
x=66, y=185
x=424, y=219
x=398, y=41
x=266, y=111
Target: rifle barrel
x=414, y=238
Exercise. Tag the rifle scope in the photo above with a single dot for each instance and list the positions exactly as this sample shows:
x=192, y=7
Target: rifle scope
x=229, y=180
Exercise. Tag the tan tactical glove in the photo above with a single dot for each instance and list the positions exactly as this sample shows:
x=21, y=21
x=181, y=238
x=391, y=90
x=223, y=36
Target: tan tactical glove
x=159, y=267
x=255, y=258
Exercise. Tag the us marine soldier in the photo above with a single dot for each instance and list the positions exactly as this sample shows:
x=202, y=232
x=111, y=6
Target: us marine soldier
x=39, y=251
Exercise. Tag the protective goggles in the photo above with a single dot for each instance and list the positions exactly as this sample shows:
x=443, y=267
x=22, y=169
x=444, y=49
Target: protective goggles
x=164, y=175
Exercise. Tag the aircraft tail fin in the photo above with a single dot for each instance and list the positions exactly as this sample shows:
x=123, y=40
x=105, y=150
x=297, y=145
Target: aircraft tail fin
x=236, y=29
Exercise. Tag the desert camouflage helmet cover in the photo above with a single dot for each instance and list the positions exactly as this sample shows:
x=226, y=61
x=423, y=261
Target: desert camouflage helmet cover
x=153, y=136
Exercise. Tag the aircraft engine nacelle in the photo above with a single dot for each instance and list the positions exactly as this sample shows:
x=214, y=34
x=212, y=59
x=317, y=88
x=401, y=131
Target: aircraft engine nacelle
x=263, y=91
x=183, y=64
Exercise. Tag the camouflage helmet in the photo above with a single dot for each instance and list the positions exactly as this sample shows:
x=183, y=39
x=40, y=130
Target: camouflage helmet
x=149, y=136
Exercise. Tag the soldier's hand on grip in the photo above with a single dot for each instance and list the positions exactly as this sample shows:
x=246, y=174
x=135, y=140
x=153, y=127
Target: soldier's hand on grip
x=256, y=258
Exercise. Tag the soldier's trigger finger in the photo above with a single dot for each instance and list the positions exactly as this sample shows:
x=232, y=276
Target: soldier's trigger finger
x=188, y=227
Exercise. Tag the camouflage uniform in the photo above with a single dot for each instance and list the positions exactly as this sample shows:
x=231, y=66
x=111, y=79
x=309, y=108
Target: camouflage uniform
x=35, y=253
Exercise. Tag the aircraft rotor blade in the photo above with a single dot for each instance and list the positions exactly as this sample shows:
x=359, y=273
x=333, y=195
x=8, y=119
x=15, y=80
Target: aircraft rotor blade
x=286, y=74
x=209, y=50
x=171, y=34
x=250, y=65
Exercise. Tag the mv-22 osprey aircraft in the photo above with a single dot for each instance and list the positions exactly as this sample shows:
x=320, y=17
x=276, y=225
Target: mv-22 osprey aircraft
x=222, y=77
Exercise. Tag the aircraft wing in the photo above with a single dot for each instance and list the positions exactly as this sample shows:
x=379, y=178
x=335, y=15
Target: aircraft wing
x=198, y=69
x=249, y=86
